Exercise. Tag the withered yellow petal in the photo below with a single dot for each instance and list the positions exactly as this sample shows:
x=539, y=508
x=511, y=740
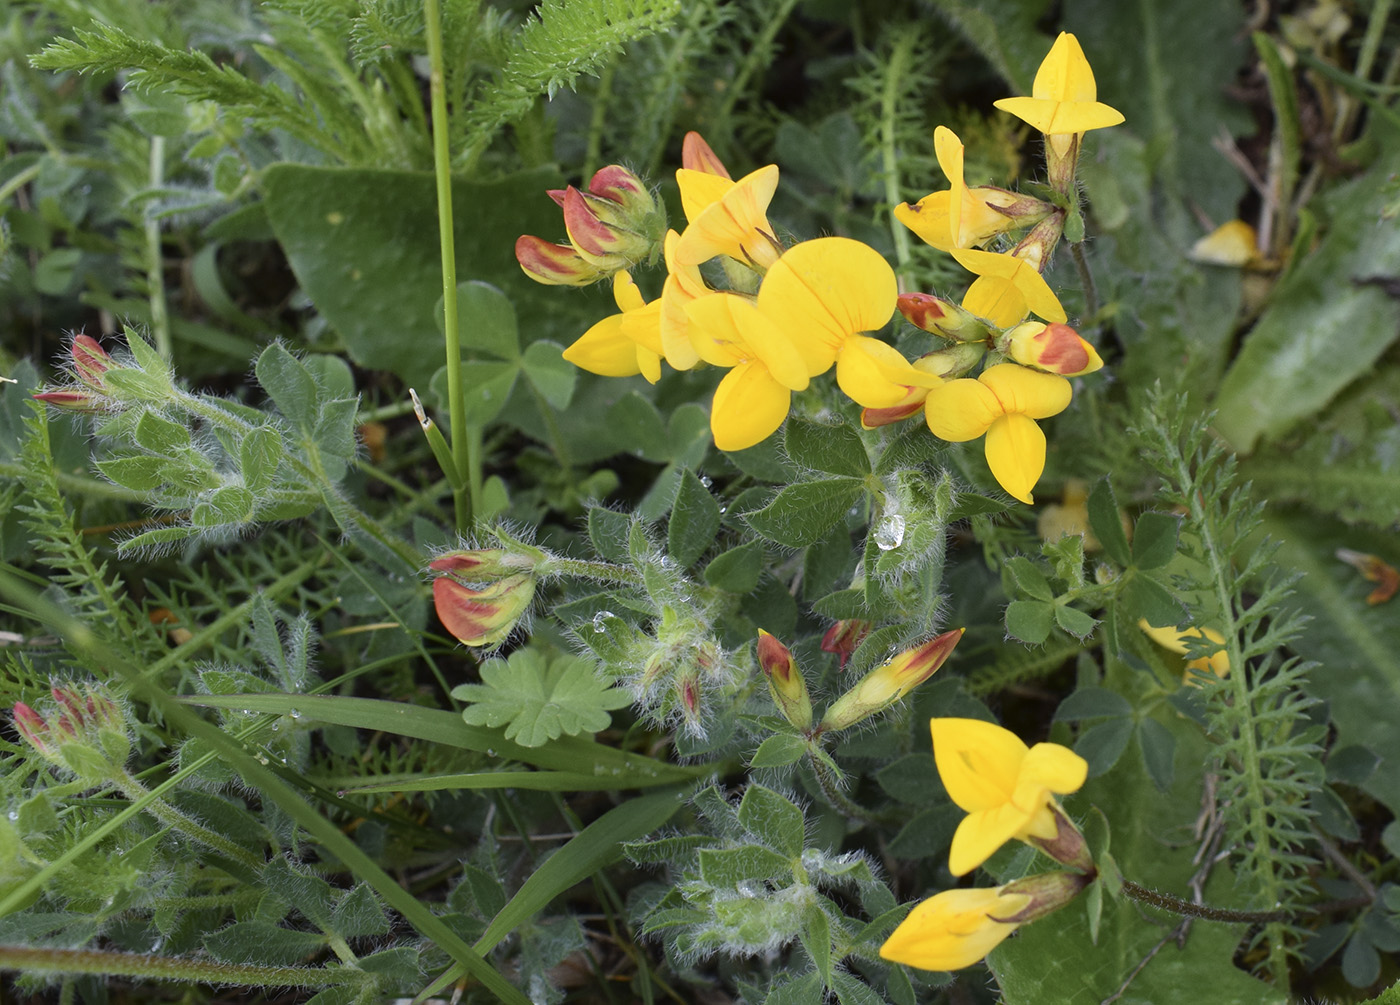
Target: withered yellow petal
x=748, y=407
x=1027, y=392
x=1016, y=455
x=961, y=410
x=1232, y=243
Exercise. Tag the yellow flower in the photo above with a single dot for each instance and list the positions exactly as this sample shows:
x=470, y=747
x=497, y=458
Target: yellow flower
x=954, y=929
x=1004, y=786
x=683, y=284
x=1217, y=662
x=1003, y=403
x=1007, y=288
x=625, y=344
x=728, y=217
x=960, y=217
x=824, y=294
x=753, y=399
x=1063, y=101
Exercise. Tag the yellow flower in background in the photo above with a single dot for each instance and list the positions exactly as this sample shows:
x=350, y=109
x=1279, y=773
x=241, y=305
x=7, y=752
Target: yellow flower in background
x=1007, y=288
x=1002, y=403
x=1064, y=97
x=753, y=399
x=1217, y=662
x=960, y=217
x=622, y=345
x=825, y=293
x=954, y=929
x=1004, y=786
x=1232, y=243
x=728, y=217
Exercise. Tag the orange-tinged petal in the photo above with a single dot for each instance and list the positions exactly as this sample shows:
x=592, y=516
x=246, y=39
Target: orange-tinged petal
x=700, y=190
x=1016, y=455
x=980, y=835
x=1030, y=392
x=697, y=156
x=961, y=410
x=604, y=350
x=978, y=761
x=1031, y=285
x=748, y=407
x=826, y=290
x=736, y=225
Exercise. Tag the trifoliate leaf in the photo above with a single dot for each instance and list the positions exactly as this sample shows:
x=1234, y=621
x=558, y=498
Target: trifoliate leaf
x=538, y=702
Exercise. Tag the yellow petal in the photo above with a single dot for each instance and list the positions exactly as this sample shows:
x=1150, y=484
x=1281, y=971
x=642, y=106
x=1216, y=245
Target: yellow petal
x=1054, y=768
x=980, y=835
x=873, y=374
x=603, y=349
x=700, y=190
x=1232, y=243
x=748, y=407
x=949, y=150
x=714, y=332
x=1065, y=74
x=1029, y=392
x=683, y=285
x=736, y=225
x=1016, y=455
x=749, y=334
x=824, y=291
x=649, y=364
x=996, y=300
x=978, y=761
x=1021, y=274
x=643, y=326
x=961, y=410
x=954, y=929
x=626, y=294
x=929, y=219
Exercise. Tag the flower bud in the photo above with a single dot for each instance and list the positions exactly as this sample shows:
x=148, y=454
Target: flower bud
x=696, y=155
x=1046, y=893
x=688, y=698
x=73, y=400
x=90, y=361
x=87, y=735
x=1054, y=348
x=843, y=637
x=949, y=363
x=601, y=232
x=890, y=682
x=486, y=615
x=785, y=681
x=942, y=317
x=489, y=563
x=554, y=264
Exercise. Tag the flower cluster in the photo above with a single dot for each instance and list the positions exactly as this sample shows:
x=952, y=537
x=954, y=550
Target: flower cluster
x=1007, y=790
x=786, y=315
x=85, y=734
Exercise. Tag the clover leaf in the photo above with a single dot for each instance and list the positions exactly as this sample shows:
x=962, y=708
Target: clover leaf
x=538, y=702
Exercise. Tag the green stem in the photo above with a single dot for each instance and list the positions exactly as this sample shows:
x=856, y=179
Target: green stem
x=1086, y=280
x=889, y=156
x=442, y=168
x=193, y=830
x=1190, y=909
x=1370, y=45
x=91, y=961
x=155, y=260
x=759, y=56
x=600, y=571
x=593, y=151
x=78, y=484
x=838, y=799
x=18, y=182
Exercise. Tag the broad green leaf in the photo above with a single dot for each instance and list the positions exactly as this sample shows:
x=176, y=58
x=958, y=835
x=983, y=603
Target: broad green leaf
x=639, y=428
x=1093, y=703
x=779, y=751
x=1158, y=751
x=1307, y=347
x=773, y=819
x=258, y=456
x=1029, y=578
x=1030, y=620
x=230, y=504
x=608, y=531
x=1145, y=598
x=927, y=833
x=362, y=244
x=485, y=321
x=764, y=461
x=802, y=990
x=1107, y=522
x=268, y=944
x=1102, y=744
x=816, y=939
x=834, y=449
x=802, y=514
x=970, y=504
x=728, y=867
x=1074, y=621
x=550, y=373
x=536, y=703
x=736, y=570
x=695, y=520
x=289, y=384
x=140, y=472
x=1154, y=540
x=160, y=435
x=359, y=913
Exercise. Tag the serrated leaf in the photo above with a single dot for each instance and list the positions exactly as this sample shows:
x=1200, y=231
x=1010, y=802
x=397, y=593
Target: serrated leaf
x=834, y=449
x=1030, y=620
x=536, y=703
x=1107, y=523
x=1154, y=540
x=695, y=520
x=736, y=570
x=802, y=514
x=778, y=751
x=773, y=819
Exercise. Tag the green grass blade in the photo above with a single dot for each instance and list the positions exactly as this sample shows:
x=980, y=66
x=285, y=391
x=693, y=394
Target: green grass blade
x=540, y=781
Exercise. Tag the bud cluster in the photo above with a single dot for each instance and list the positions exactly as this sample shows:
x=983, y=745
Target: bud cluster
x=103, y=383
x=85, y=734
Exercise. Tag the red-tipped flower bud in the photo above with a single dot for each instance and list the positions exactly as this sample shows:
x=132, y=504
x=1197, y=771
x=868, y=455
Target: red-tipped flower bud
x=942, y=317
x=482, y=616
x=1054, y=348
x=696, y=155
x=785, y=681
x=554, y=264
x=891, y=681
x=843, y=637
x=90, y=361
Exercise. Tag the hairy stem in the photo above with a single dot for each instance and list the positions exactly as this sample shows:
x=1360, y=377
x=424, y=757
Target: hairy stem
x=1190, y=909
x=1086, y=280
x=170, y=968
x=192, y=829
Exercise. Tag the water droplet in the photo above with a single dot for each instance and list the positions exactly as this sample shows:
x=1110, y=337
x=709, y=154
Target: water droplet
x=600, y=621
x=490, y=752
x=14, y=814
x=294, y=714
x=889, y=532
x=706, y=481
x=485, y=394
